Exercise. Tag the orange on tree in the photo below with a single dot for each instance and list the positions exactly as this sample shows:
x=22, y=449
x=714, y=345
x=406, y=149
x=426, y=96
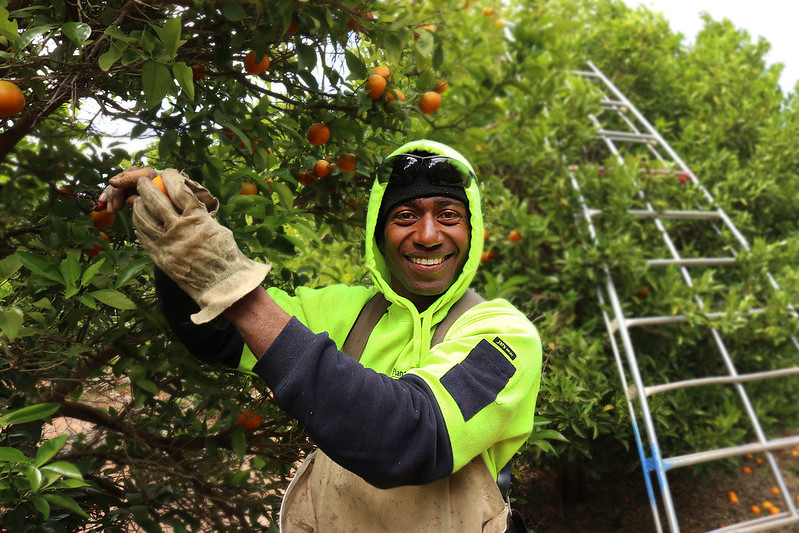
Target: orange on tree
x=429, y=102
x=252, y=66
x=102, y=219
x=96, y=249
x=514, y=236
x=441, y=86
x=321, y=168
x=198, y=72
x=318, y=134
x=12, y=101
x=485, y=234
x=376, y=85
x=392, y=94
x=346, y=162
x=383, y=71
x=248, y=189
x=250, y=418
x=305, y=177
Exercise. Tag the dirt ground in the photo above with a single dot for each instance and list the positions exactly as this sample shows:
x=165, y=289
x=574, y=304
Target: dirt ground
x=621, y=504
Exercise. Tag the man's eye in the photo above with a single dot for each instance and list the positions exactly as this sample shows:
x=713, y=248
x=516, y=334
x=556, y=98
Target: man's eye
x=404, y=215
x=450, y=215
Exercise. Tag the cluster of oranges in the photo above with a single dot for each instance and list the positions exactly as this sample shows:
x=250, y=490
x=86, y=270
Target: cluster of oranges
x=513, y=237
x=323, y=167
x=378, y=88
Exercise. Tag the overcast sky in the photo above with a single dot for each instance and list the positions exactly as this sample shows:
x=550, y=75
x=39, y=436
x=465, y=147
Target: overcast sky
x=774, y=20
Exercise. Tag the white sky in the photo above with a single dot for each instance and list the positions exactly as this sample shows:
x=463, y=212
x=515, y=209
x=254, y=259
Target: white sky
x=774, y=20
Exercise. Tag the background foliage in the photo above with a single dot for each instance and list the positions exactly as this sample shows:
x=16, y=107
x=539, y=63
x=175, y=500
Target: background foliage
x=108, y=424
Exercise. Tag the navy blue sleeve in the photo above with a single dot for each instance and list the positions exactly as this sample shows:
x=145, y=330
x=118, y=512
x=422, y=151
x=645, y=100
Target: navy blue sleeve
x=215, y=342
x=388, y=431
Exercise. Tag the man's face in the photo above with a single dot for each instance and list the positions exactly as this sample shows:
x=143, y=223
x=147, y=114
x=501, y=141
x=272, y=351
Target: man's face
x=426, y=244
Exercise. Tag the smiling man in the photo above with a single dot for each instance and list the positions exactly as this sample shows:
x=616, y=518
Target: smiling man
x=415, y=414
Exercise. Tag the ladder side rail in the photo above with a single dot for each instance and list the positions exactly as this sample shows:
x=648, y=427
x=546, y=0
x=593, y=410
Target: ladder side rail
x=639, y=443
x=759, y=524
x=632, y=363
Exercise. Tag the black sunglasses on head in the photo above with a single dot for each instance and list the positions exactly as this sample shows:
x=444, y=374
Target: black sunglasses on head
x=442, y=170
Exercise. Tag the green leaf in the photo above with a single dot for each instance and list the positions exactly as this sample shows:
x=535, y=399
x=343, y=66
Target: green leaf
x=170, y=36
x=9, y=265
x=233, y=12
x=91, y=271
x=49, y=448
x=42, y=265
x=355, y=65
x=77, y=32
x=156, y=82
x=67, y=503
x=70, y=267
x=393, y=49
x=11, y=319
x=12, y=455
x=114, y=298
x=185, y=77
x=41, y=505
x=34, y=476
x=238, y=441
x=29, y=414
x=131, y=269
x=306, y=57
x=148, y=385
x=284, y=194
x=8, y=28
x=63, y=468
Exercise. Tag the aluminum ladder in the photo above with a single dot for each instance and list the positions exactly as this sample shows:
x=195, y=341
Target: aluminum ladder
x=621, y=131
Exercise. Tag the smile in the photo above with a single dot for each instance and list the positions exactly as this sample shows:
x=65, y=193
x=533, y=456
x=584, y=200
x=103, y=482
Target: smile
x=427, y=261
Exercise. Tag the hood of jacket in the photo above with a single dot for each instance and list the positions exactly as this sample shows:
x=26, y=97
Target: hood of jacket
x=376, y=263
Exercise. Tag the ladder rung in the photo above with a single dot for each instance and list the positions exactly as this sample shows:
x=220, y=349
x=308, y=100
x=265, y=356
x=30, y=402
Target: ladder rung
x=615, y=105
x=626, y=136
x=673, y=319
x=731, y=451
x=693, y=262
x=761, y=524
x=718, y=380
x=665, y=215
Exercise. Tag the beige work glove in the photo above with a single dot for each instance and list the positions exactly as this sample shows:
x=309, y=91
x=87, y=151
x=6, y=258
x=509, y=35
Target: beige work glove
x=181, y=235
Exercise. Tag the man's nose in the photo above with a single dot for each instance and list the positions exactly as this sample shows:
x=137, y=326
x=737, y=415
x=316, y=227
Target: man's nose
x=428, y=234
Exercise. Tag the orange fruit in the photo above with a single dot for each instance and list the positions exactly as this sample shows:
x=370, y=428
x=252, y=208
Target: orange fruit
x=732, y=497
x=102, y=219
x=485, y=257
x=346, y=162
x=755, y=509
x=318, y=134
x=441, y=86
x=305, y=177
x=198, y=72
x=321, y=168
x=775, y=490
x=293, y=27
x=96, y=249
x=250, y=418
x=746, y=470
x=12, y=101
x=514, y=236
x=376, y=84
x=485, y=234
x=391, y=94
x=767, y=505
x=774, y=510
x=429, y=102
x=248, y=189
x=252, y=67
x=643, y=292
x=159, y=182
x=489, y=11
x=383, y=71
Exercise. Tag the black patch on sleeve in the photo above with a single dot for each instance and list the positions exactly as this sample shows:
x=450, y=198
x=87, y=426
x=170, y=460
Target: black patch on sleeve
x=477, y=380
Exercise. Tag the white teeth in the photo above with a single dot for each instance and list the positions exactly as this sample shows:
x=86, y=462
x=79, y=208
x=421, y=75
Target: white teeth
x=426, y=262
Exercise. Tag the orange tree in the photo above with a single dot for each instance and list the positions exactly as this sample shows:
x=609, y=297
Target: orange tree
x=108, y=423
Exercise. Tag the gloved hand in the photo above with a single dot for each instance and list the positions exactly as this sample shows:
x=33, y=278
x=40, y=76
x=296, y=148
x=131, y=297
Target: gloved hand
x=181, y=235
